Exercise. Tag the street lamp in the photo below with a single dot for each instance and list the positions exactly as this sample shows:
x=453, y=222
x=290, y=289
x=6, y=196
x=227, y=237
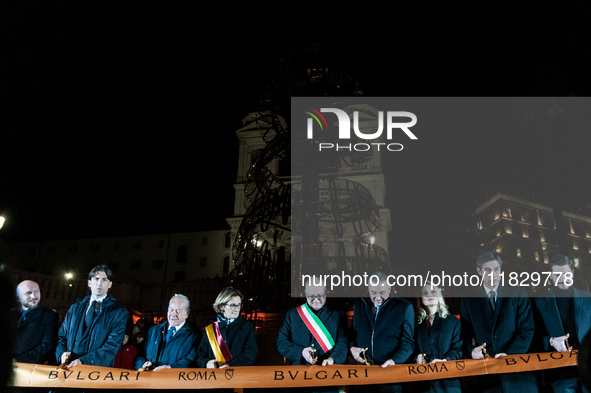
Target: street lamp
x=2, y=219
x=69, y=276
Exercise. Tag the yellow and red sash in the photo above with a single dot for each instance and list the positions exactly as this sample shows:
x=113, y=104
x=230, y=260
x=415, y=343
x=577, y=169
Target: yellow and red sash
x=218, y=345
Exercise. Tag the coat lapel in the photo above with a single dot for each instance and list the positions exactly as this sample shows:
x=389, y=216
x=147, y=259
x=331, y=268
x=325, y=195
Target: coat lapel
x=551, y=315
x=501, y=299
x=31, y=316
x=436, y=329
x=423, y=337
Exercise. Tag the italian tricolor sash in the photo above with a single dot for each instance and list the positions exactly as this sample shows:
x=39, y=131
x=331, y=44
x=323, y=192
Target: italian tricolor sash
x=218, y=345
x=316, y=327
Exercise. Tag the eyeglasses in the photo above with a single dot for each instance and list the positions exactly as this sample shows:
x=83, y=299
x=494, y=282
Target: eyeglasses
x=312, y=297
x=234, y=306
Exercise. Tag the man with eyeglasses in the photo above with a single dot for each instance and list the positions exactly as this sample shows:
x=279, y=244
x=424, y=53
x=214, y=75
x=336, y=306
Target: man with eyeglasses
x=383, y=330
x=314, y=333
x=172, y=343
x=93, y=329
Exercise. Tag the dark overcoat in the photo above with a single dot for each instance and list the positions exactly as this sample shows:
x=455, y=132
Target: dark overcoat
x=241, y=341
x=294, y=336
x=550, y=325
x=179, y=352
x=508, y=329
x=389, y=335
x=106, y=332
x=36, y=336
x=442, y=341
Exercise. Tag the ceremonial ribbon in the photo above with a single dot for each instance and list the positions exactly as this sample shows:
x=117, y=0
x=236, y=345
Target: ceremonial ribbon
x=316, y=327
x=89, y=377
x=218, y=345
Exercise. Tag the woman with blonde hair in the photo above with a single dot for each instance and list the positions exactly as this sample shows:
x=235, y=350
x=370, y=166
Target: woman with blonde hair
x=438, y=338
x=230, y=340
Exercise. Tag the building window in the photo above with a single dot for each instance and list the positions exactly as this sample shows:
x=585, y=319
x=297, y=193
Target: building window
x=204, y=241
x=509, y=213
x=181, y=254
x=117, y=246
x=546, y=258
x=158, y=264
x=519, y=252
x=525, y=232
x=228, y=240
x=226, y=266
x=203, y=262
x=542, y=236
x=577, y=262
x=136, y=265
x=537, y=256
x=575, y=244
x=179, y=276
x=94, y=247
x=137, y=245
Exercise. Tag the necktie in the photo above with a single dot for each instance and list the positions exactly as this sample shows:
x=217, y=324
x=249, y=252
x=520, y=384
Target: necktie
x=170, y=334
x=23, y=317
x=491, y=297
x=93, y=311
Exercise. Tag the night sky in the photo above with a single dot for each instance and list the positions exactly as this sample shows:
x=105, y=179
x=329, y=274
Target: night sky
x=121, y=120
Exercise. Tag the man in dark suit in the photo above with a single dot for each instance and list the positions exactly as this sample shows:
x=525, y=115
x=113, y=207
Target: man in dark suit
x=303, y=346
x=171, y=344
x=382, y=330
x=500, y=317
x=93, y=329
x=35, y=326
x=563, y=310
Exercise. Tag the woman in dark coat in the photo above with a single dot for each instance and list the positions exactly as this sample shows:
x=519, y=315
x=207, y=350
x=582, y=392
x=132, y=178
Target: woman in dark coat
x=437, y=339
x=239, y=345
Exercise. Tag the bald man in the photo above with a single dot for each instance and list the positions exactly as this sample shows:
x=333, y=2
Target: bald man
x=35, y=326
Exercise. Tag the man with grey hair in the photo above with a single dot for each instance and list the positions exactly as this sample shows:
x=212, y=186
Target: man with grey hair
x=171, y=344
x=35, y=326
x=382, y=332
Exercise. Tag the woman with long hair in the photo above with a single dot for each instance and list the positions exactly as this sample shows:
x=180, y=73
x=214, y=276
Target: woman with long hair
x=438, y=338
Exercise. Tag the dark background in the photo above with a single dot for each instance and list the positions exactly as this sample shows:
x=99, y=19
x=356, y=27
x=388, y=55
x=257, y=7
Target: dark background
x=120, y=119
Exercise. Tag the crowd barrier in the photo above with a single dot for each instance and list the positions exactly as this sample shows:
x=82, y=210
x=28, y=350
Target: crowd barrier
x=89, y=377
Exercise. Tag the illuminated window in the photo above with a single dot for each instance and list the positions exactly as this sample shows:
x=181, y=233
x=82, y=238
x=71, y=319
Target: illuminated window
x=575, y=244
x=537, y=256
x=542, y=236
x=570, y=224
x=577, y=262
x=546, y=258
x=525, y=232
x=509, y=213
x=519, y=252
